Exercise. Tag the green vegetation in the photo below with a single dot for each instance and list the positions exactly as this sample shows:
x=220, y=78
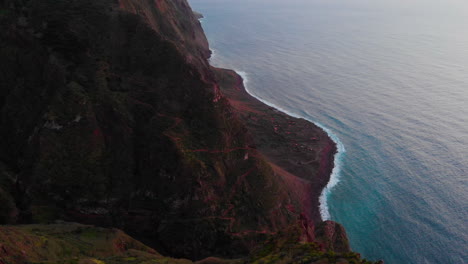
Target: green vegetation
x=70, y=243
x=67, y=243
x=285, y=248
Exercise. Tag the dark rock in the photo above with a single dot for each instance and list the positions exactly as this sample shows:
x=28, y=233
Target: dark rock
x=113, y=118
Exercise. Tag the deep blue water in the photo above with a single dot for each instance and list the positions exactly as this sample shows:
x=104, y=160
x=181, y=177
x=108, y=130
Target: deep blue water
x=389, y=78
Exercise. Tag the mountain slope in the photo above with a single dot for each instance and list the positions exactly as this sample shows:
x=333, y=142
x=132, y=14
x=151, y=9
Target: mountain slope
x=109, y=123
x=113, y=117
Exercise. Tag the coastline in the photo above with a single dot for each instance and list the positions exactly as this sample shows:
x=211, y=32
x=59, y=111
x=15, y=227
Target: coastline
x=338, y=156
x=340, y=150
x=302, y=152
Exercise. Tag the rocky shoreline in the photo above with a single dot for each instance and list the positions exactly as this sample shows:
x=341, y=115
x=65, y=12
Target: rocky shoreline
x=297, y=150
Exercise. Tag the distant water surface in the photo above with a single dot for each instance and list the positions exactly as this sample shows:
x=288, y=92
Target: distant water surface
x=390, y=79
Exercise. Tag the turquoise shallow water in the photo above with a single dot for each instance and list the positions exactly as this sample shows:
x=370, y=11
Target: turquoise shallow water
x=390, y=80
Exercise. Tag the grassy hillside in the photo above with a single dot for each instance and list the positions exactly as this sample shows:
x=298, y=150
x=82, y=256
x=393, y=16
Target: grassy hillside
x=70, y=243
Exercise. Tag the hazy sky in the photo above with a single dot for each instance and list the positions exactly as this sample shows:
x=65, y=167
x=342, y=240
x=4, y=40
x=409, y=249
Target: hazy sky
x=459, y=6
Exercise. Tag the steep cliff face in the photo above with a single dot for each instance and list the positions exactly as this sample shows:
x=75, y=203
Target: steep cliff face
x=112, y=116
x=175, y=21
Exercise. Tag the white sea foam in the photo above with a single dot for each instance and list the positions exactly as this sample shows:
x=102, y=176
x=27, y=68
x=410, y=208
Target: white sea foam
x=335, y=175
x=202, y=19
x=245, y=80
x=213, y=53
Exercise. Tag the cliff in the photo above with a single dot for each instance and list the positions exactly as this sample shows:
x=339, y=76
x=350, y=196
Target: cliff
x=111, y=116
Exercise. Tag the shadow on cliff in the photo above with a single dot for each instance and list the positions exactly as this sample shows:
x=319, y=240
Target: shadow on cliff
x=111, y=116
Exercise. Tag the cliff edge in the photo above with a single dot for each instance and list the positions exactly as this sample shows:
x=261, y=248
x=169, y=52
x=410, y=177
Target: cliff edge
x=112, y=116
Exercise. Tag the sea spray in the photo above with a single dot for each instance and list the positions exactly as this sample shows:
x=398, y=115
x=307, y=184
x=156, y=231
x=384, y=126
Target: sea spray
x=213, y=53
x=202, y=19
x=335, y=175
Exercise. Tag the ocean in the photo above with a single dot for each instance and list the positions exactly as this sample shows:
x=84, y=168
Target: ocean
x=388, y=79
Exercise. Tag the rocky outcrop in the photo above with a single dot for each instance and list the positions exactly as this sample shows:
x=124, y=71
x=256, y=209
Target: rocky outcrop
x=333, y=236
